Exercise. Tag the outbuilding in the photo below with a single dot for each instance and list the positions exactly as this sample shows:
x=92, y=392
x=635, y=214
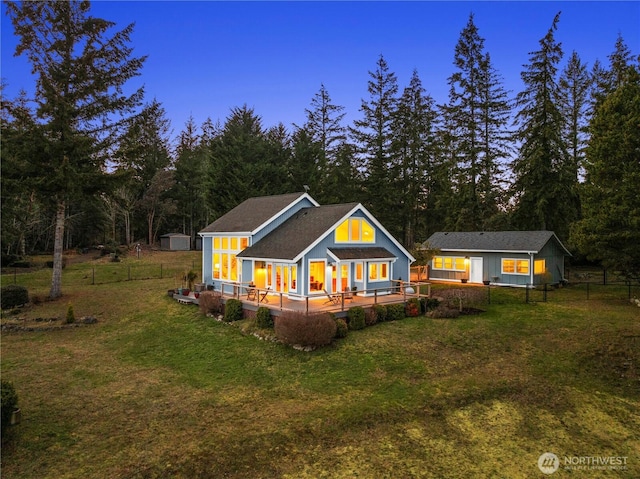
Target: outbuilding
x=505, y=258
x=175, y=242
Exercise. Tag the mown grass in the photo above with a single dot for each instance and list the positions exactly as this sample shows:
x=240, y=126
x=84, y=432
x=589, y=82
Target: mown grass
x=156, y=390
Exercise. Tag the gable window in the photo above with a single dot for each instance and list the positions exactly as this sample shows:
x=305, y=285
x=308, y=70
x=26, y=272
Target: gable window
x=449, y=263
x=355, y=230
x=515, y=266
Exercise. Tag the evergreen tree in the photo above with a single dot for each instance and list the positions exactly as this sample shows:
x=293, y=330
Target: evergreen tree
x=544, y=182
x=463, y=112
x=610, y=229
x=304, y=166
x=575, y=86
x=373, y=135
x=144, y=151
x=413, y=156
x=80, y=71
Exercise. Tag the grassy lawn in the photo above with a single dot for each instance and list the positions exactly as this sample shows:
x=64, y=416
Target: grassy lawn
x=155, y=390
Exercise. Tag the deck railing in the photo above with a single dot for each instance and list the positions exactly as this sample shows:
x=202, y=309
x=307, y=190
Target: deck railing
x=399, y=292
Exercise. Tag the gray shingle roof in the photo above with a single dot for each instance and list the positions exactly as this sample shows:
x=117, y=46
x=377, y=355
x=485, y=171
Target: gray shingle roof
x=251, y=214
x=298, y=233
x=373, y=252
x=522, y=241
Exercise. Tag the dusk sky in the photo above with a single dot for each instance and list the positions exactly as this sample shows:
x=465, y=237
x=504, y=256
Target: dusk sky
x=208, y=57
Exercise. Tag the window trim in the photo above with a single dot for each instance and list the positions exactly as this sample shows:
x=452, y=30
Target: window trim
x=453, y=263
x=515, y=266
x=379, y=267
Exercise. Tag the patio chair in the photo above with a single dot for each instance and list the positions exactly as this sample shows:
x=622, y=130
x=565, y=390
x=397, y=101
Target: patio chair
x=333, y=298
x=263, y=296
x=251, y=293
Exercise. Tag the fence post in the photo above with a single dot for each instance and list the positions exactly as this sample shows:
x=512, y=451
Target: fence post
x=629, y=286
x=489, y=294
x=588, y=290
x=160, y=270
x=544, y=296
x=129, y=272
x=93, y=275
x=526, y=293
x=15, y=275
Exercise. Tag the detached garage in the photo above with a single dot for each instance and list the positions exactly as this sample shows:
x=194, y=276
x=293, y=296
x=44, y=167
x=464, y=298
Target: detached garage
x=175, y=242
x=505, y=258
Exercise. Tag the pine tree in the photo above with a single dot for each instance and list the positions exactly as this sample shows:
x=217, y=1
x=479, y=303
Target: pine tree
x=80, y=71
x=373, y=136
x=543, y=186
x=610, y=229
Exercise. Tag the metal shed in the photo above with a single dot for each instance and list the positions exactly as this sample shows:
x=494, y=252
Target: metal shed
x=175, y=242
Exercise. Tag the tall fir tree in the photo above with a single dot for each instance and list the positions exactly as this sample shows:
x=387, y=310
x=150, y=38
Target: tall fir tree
x=610, y=229
x=575, y=87
x=372, y=136
x=80, y=71
x=413, y=155
x=543, y=186
x=463, y=114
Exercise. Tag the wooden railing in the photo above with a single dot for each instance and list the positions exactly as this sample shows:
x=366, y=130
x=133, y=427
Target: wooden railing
x=400, y=291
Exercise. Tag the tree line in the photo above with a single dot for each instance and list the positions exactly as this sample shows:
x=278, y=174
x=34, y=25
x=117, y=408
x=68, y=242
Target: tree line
x=84, y=163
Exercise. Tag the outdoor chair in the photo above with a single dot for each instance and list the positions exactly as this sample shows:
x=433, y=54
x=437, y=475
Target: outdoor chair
x=263, y=296
x=251, y=293
x=333, y=298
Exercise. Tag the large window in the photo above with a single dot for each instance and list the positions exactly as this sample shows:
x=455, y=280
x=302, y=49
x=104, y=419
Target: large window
x=378, y=271
x=355, y=230
x=515, y=266
x=225, y=248
x=449, y=263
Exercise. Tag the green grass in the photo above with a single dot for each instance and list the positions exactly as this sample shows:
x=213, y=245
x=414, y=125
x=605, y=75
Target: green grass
x=156, y=390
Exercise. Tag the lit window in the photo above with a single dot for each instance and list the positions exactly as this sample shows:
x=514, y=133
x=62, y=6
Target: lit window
x=539, y=266
x=244, y=242
x=355, y=230
x=216, y=243
x=378, y=271
x=437, y=262
x=216, y=265
x=234, y=243
x=225, y=242
x=515, y=266
x=358, y=271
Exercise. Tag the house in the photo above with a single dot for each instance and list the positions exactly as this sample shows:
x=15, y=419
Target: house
x=294, y=246
x=175, y=242
x=509, y=258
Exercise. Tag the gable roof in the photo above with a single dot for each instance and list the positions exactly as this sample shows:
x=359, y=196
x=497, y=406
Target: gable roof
x=298, y=233
x=494, y=241
x=250, y=215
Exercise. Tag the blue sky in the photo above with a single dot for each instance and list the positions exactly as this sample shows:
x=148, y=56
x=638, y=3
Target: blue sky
x=207, y=57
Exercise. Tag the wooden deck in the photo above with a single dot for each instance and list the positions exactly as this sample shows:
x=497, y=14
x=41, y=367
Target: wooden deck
x=281, y=302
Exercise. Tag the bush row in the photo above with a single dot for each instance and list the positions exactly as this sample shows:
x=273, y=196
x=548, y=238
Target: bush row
x=13, y=295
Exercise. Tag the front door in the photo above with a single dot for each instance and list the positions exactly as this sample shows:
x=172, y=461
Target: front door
x=475, y=270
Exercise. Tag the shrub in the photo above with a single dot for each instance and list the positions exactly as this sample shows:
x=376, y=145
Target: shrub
x=395, y=312
x=342, y=328
x=71, y=315
x=210, y=302
x=460, y=298
x=429, y=304
x=8, y=403
x=355, y=317
x=233, y=310
x=412, y=308
x=13, y=295
x=380, y=311
x=297, y=328
x=263, y=318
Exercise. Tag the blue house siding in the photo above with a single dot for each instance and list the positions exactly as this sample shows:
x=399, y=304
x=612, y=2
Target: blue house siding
x=302, y=233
